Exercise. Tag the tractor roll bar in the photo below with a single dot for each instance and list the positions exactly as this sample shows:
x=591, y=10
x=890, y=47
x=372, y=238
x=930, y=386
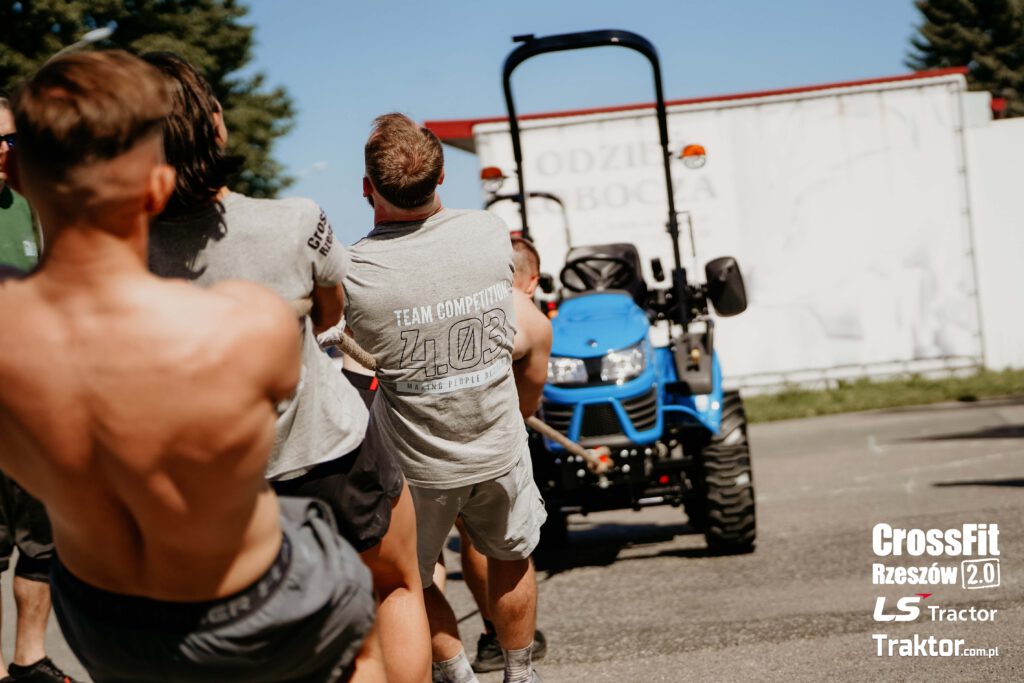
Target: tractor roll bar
x=542, y=195
x=532, y=46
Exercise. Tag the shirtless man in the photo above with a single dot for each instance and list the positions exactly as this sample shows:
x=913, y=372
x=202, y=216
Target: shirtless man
x=141, y=412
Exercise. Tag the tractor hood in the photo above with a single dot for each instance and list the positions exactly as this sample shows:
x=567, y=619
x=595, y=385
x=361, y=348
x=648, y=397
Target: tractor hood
x=592, y=325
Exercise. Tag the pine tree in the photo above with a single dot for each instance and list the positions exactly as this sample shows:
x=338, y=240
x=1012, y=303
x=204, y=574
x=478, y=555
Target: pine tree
x=986, y=36
x=208, y=33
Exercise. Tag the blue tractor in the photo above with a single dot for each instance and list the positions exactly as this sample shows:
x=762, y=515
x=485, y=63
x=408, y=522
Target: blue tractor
x=633, y=370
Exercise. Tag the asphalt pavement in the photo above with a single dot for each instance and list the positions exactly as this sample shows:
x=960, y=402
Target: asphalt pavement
x=636, y=597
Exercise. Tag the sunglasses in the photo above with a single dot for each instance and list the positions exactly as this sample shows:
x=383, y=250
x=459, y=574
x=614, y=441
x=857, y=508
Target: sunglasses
x=10, y=139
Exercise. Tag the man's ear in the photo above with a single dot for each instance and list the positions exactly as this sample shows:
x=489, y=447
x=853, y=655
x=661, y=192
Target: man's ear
x=367, y=187
x=532, y=286
x=440, y=178
x=161, y=187
x=220, y=127
x=11, y=169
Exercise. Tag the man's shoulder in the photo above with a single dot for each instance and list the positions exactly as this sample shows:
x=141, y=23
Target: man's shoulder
x=529, y=318
x=225, y=308
x=259, y=304
x=297, y=209
x=478, y=216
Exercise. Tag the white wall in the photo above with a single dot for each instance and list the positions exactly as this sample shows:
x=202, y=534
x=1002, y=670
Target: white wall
x=996, y=156
x=846, y=210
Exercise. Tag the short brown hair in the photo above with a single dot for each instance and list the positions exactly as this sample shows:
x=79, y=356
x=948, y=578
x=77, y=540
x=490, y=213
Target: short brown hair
x=403, y=161
x=87, y=107
x=525, y=257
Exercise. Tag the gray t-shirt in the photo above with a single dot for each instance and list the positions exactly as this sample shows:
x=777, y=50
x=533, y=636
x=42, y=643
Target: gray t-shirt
x=432, y=301
x=287, y=245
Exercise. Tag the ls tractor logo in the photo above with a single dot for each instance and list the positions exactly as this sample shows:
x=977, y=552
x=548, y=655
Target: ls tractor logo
x=908, y=609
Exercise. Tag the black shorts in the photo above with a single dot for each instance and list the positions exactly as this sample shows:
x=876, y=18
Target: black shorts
x=366, y=385
x=359, y=487
x=303, y=620
x=24, y=525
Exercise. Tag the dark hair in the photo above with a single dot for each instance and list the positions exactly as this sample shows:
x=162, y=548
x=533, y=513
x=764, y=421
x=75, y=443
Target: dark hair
x=87, y=107
x=403, y=161
x=525, y=257
x=190, y=137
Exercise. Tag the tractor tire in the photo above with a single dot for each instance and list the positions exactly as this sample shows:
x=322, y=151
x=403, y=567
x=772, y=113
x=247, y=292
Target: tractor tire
x=723, y=507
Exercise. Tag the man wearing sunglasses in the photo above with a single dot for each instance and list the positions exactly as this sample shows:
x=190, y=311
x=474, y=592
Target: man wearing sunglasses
x=19, y=245
x=23, y=520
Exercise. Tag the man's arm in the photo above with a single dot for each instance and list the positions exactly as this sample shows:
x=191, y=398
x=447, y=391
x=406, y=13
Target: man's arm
x=532, y=350
x=271, y=338
x=328, y=305
x=330, y=264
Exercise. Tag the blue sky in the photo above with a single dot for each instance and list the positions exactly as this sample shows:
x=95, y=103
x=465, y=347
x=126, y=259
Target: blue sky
x=344, y=62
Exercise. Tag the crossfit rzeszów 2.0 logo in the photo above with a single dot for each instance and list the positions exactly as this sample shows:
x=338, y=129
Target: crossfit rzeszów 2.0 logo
x=968, y=540
x=980, y=541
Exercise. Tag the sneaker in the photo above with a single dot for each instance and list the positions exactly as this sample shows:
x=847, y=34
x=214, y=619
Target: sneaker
x=490, y=658
x=540, y=645
x=43, y=671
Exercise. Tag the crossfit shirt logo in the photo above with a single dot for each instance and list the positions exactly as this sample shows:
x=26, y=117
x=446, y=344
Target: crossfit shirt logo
x=322, y=240
x=470, y=342
x=458, y=343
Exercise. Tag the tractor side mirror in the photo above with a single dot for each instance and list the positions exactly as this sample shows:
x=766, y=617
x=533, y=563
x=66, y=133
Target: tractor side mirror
x=546, y=283
x=725, y=286
x=657, y=270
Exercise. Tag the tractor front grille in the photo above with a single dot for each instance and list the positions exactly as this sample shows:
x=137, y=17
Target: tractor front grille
x=558, y=415
x=643, y=410
x=600, y=419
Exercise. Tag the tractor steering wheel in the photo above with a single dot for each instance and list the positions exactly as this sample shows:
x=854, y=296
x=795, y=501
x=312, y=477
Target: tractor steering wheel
x=598, y=272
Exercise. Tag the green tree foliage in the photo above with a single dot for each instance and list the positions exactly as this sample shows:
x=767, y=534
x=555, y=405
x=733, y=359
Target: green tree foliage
x=986, y=36
x=208, y=33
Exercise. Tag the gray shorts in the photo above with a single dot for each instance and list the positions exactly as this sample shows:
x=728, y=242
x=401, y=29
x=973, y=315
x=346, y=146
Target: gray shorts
x=304, y=620
x=502, y=516
x=25, y=526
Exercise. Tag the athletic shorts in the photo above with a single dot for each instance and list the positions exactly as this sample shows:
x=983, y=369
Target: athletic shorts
x=303, y=621
x=366, y=385
x=25, y=526
x=502, y=516
x=359, y=487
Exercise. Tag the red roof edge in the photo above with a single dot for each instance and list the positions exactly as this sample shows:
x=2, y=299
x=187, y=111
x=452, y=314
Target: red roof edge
x=456, y=131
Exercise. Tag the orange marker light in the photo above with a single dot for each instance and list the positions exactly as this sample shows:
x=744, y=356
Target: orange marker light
x=491, y=173
x=694, y=156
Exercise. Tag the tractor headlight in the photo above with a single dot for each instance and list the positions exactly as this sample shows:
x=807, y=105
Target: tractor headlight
x=563, y=370
x=625, y=364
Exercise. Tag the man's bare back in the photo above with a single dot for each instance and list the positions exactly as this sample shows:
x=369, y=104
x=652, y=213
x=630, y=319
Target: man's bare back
x=141, y=412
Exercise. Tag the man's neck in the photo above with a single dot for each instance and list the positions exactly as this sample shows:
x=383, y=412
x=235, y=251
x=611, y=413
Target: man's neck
x=85, y=254
x=385, y=213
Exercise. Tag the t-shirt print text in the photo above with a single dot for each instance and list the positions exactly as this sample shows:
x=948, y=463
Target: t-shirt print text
x=323, y=238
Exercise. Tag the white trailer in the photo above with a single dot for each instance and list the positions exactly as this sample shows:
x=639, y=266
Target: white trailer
x=847, y=206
